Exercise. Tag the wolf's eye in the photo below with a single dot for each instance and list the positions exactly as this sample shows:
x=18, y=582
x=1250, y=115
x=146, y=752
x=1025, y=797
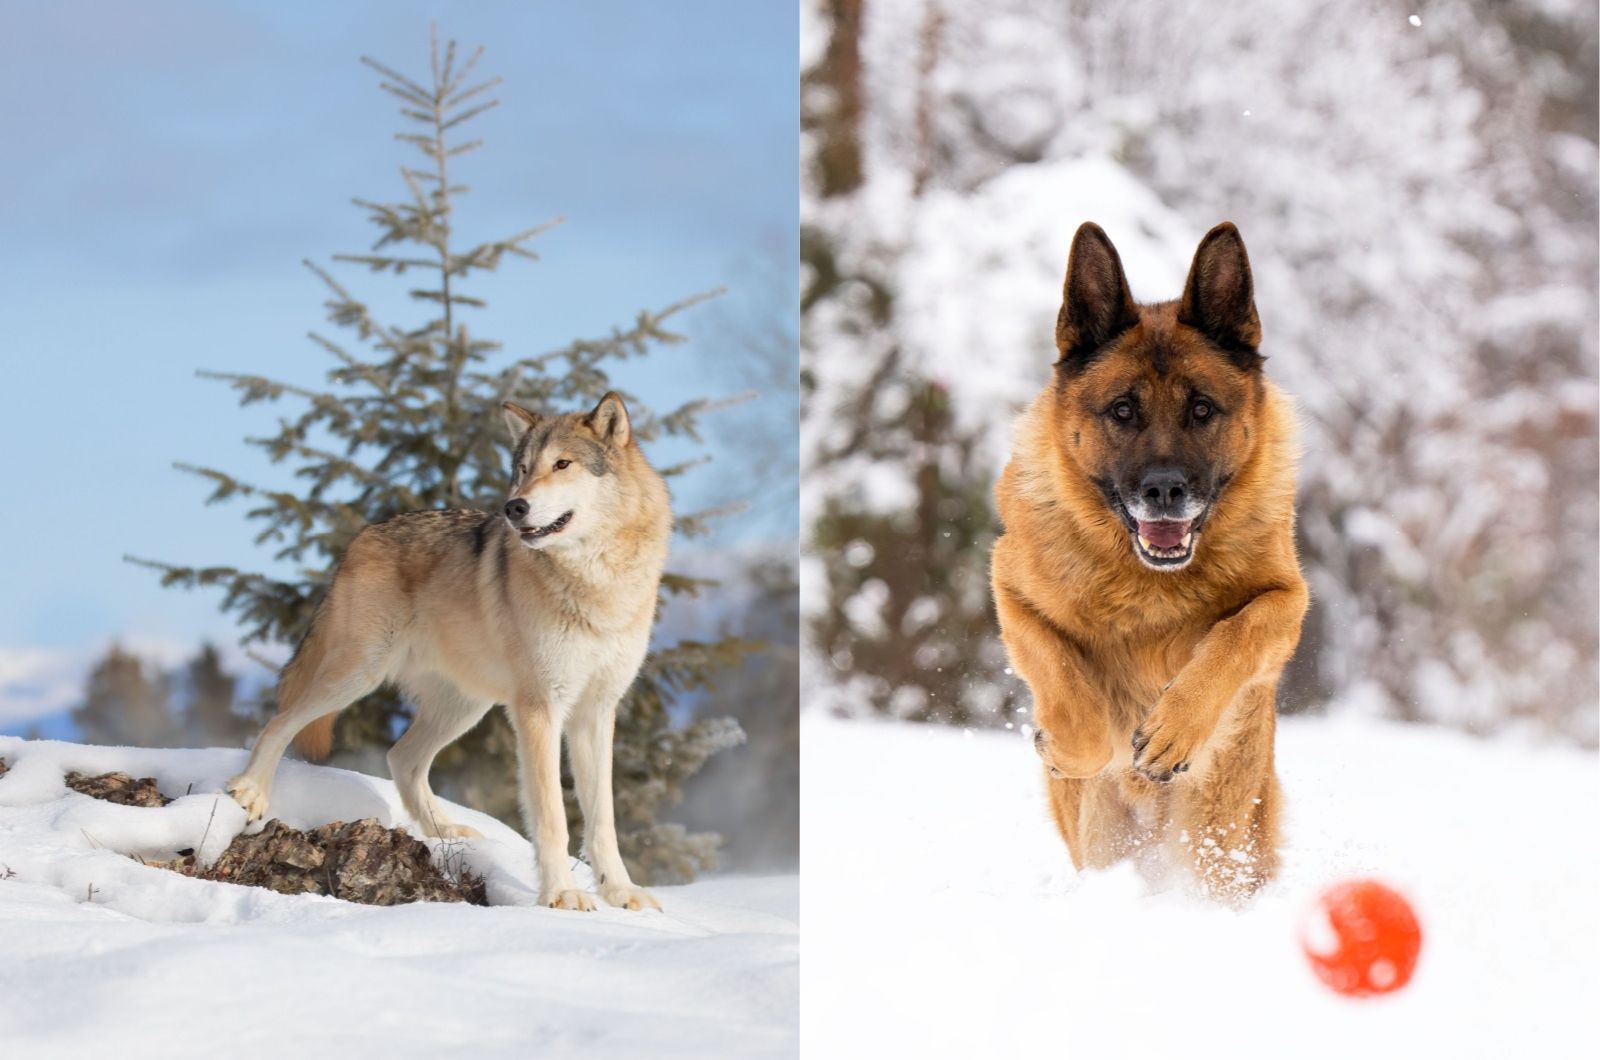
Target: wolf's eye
x=522, y=469
x=1122, y=411
x=562, y=465
x=1201, y=411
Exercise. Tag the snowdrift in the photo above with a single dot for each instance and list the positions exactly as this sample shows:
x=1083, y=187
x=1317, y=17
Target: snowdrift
x=961, y=929
x=98, y=950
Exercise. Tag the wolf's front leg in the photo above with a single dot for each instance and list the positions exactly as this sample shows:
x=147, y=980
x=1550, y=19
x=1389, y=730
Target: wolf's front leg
x=1251, y=645
x=539, y=757
x=589, y=740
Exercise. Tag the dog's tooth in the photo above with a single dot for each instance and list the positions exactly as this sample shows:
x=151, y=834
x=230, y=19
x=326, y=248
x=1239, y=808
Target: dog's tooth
x=1145, y=542
x=1186, y=539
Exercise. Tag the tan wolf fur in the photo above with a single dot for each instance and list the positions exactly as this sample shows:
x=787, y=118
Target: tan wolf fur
x=544, y=607
x=1146, y=582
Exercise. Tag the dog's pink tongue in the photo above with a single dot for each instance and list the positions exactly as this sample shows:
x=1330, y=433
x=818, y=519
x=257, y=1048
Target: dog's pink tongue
x=1163, y=534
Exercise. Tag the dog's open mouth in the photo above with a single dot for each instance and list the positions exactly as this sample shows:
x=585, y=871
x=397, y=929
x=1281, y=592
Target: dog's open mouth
x=1165, y=544
x=534, y=533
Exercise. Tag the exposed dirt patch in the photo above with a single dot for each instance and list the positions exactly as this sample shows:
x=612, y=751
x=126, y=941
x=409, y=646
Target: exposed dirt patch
x=3, y=767
x=359, y=862
x=119, y=788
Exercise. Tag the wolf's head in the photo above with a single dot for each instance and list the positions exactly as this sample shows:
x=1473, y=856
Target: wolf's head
x=564, y=471
x=1154, y=403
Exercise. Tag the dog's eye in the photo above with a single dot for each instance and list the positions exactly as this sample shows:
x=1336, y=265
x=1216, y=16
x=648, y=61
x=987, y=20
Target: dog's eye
x=1201, y=411
x=1122, y=411
x=562, y=465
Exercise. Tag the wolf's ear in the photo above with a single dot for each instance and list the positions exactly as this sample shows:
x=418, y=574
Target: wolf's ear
x=518, y=419
x=1095, y=304
x=610, y=421
x=1219, y=298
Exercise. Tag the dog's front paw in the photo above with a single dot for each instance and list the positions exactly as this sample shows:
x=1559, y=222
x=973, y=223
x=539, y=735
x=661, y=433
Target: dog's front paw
x=247, y=793
x=627, y=896
x=578, y=901
x=1063, y=762
x=1161, y=751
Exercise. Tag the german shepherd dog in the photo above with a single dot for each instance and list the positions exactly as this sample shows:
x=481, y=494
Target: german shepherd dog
x=544, y=607
x=1146, y=583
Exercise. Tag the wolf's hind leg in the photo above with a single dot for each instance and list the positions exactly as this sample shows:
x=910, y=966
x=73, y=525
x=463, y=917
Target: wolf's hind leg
x=443, y=715
x=317, y=682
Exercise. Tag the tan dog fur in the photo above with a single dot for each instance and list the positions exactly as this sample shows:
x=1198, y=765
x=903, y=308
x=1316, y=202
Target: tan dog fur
x=1188, y=659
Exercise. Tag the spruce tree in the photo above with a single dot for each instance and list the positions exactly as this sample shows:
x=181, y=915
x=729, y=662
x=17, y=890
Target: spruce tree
x=410, y=420
x=126, y=703
x=209, y=716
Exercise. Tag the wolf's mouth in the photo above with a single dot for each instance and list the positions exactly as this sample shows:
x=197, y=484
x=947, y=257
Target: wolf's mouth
x=1165, y=544
x=533, y=533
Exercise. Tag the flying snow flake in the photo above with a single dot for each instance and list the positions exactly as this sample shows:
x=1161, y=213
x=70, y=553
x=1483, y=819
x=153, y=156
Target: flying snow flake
x=1415, y=20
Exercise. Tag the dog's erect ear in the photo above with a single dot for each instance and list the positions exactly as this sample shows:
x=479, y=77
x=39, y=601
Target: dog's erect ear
x=518, y=419
x=1219, y=298
x=1095, y=304
x=610, y=421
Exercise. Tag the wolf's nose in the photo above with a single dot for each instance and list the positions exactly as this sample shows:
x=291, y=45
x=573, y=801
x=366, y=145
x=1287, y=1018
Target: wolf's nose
x=1164, y=488
x=516, y=508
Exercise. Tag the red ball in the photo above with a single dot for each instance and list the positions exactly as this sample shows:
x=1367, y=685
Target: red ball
x=1362, y=938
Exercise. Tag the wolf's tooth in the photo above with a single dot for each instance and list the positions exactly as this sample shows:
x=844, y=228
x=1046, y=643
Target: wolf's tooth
x=1188, y=537
x=1145, y=542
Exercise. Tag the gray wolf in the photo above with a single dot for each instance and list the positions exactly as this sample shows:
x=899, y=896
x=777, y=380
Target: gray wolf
x=545, y=607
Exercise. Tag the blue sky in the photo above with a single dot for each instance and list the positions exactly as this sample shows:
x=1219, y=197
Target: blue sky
x=169, y=164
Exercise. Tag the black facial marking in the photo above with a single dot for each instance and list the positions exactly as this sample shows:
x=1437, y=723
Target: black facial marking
x=1160, y=358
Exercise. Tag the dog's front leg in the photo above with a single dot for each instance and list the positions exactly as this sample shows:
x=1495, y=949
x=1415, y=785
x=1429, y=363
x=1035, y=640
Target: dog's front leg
x=539, y=758
x=1074, y=725
x=1252, y=644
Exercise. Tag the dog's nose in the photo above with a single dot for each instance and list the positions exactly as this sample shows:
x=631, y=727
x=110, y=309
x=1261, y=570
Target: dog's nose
x=516, y=508
x=1164, y=488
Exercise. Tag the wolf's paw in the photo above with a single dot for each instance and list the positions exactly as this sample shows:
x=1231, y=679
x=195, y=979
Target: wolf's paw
x=578, y=901
x=457, y=831
x=1161, y=751
x=247, y=793
x=435, y=827
x=1062, y=762
x=627, y=896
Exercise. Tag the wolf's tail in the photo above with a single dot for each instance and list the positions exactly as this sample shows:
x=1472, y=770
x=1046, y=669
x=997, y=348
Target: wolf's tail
x=315, y=741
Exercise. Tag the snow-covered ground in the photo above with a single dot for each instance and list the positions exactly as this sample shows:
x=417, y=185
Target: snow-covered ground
x=101, y=954
x=943, y=917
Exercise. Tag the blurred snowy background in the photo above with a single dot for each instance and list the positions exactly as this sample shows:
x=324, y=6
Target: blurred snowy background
x=1417, y=188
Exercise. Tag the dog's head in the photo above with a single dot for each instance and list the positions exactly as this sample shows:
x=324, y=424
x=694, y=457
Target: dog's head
x=563, y=471
x=1155, y=403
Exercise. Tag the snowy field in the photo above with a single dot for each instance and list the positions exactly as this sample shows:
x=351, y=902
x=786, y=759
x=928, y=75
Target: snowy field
x=102, y=955
x=943, y=917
